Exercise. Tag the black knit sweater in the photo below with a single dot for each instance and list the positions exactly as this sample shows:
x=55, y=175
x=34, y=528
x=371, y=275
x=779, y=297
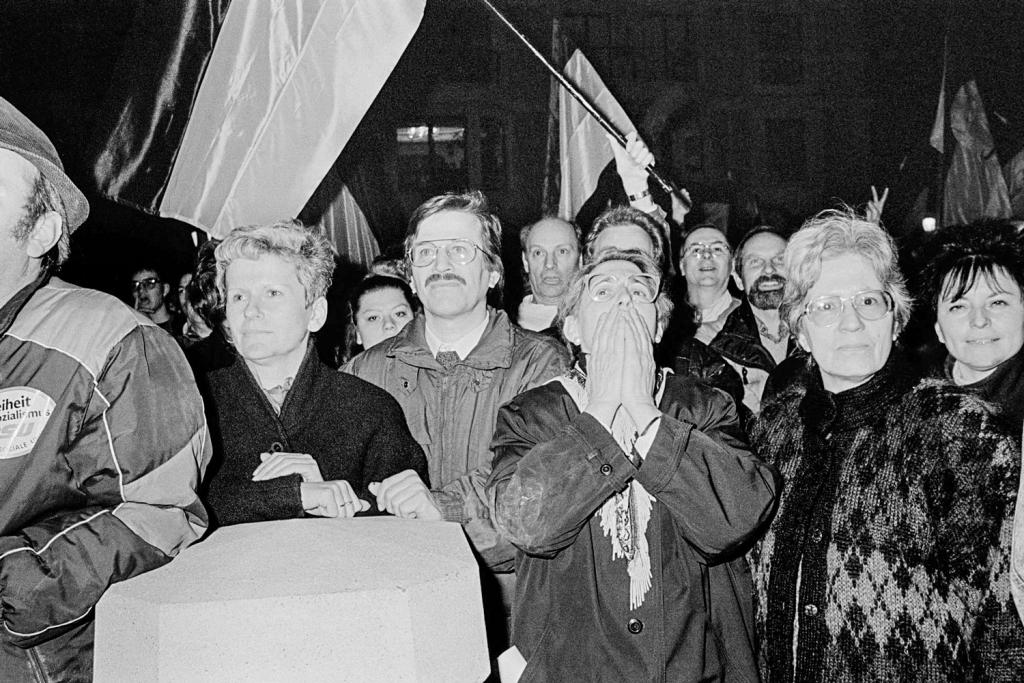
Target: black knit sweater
x=889, y=557
x=354, y=431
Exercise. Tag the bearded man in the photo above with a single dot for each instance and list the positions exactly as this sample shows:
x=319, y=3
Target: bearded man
x=754, y=338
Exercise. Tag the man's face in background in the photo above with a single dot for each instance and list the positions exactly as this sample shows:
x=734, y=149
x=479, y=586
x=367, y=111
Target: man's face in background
x=148, y=291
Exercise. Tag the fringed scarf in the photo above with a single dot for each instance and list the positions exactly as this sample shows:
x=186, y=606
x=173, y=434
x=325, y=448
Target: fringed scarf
x=624, y=516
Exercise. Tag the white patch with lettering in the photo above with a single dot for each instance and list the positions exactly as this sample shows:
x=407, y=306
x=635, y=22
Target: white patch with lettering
x=24, y=412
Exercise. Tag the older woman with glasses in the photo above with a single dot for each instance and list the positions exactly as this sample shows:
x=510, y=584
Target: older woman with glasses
x=631, y=496
x=888, y=559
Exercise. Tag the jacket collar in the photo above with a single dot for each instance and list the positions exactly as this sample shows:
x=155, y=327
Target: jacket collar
x=739, y=340
x=494, y=349
x=823, y=411
x=302, y=382
x=1004, y=387
x=11, y=309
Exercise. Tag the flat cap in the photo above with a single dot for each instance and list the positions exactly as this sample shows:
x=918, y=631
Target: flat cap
x=23, y=137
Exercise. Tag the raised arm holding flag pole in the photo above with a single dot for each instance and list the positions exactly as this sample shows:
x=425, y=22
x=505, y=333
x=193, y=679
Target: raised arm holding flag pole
x=571, y=88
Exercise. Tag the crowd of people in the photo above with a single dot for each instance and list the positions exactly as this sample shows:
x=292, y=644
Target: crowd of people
x=709, y=462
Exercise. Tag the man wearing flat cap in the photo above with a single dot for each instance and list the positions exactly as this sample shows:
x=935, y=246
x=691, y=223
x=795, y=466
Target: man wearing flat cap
x=102, y=434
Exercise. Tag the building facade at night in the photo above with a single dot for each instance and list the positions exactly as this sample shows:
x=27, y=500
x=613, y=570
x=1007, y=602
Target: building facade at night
x=735, y=98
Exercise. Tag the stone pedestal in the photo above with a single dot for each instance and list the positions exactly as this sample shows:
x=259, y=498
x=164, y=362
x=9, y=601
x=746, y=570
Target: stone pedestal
x=370, y=599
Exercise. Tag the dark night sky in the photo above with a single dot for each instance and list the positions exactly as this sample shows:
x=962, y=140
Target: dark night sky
x=56, y=57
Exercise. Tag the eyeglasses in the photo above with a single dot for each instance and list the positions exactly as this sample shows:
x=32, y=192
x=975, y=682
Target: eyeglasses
x=701, y=250
x=459, y=252
x=148, y=284
x=642, y=288
x=871, y=304
x=757, y=263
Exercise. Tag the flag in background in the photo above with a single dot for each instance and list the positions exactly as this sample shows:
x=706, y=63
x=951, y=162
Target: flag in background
x=552, y=157
x=583, y=145
x=236, y=115
x=974, y=185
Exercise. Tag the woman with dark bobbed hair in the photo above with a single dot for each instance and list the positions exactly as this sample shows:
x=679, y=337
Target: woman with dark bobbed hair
x=379, y=306
x=888, y=559
x=974, y=282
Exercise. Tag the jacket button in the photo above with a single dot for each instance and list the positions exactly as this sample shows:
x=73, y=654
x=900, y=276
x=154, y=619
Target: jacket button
x=634, y=626
x=816, y=536
x=606, y=469
x=276, y=447
x=811, y=610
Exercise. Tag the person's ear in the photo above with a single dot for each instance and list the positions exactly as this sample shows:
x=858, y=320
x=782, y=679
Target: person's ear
x=738, y=280
x=318, y=314
x=659, y=331
x=938, y=333
x=495, y=276
x=45, y=234
x=526, y=264
x=571, y=330
x=801, y=337
x=359, y=337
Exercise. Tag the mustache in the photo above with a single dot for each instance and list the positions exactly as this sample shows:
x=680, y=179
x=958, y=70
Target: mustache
x=765, y=279
x=444, y=276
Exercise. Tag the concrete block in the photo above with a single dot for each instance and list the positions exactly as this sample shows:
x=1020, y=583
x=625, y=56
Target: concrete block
x=369, y=599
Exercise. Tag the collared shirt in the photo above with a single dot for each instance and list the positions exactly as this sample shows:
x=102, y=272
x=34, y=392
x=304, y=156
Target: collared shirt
x=463, y=346
x=535, y=316
x=718, y=309
x=276, y=395
x=712, y=318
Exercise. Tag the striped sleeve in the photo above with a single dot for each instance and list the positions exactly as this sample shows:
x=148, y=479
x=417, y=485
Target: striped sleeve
x=138, y=456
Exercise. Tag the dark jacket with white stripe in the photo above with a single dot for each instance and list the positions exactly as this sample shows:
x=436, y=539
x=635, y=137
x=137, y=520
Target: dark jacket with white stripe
x=102, y=444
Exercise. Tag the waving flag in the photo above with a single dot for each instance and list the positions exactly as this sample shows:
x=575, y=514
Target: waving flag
x=585, y=150
x=235, y=115
x=974, y=184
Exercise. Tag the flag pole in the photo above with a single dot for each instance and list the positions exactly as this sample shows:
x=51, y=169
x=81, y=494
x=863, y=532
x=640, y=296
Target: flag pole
x=582, y=99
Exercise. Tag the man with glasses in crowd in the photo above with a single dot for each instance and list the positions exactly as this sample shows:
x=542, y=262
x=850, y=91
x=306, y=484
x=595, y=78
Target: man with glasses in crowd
x=705, y=263
x=149, y=296
x=451, y=369
x=755, y=338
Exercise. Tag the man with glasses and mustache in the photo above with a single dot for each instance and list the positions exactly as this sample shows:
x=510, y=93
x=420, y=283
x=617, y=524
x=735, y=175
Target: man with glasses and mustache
x=451, y=368
x=754, y=338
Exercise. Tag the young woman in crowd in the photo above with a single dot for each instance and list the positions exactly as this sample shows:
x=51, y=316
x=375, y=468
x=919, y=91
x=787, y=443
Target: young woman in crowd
x=631, y=496
x=889, y=556
x=379, y=307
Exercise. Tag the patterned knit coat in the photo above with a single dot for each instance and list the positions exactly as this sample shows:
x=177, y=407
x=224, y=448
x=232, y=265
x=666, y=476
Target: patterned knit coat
x=888, y=559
